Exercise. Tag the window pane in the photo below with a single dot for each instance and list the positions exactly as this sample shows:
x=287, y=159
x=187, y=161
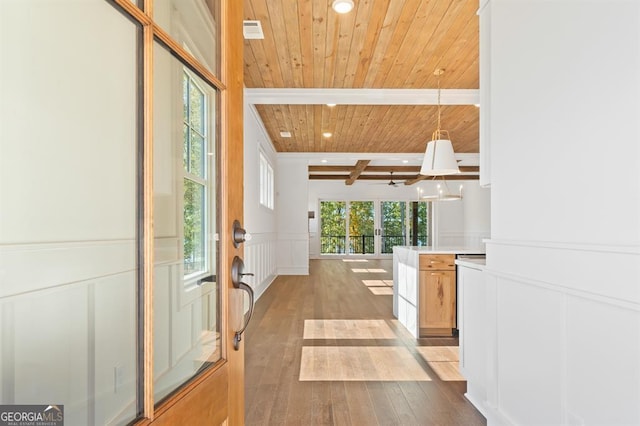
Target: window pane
x=186, y=294
x=333, y=224
x=196, y=108
x=197, y=154
x=68, y=316
x=419, y=223
x=193, y=24
x=393, y=225
x=361, y=239
x=194, y=227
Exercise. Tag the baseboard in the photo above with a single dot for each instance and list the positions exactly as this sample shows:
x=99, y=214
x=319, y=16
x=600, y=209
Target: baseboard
x=264, y=286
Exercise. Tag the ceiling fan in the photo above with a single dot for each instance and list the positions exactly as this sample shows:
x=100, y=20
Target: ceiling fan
x=391, y=181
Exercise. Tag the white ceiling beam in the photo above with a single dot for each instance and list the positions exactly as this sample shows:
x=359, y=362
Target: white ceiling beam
x=361, y=96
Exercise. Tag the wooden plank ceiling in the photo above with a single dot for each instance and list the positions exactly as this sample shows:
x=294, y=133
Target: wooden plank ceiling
x=381, y=44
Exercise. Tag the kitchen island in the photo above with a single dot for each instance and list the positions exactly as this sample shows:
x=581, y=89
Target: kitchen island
x=424, y=288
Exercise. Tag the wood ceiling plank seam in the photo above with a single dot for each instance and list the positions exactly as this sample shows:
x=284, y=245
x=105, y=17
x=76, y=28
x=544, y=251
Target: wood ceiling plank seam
x=291, y=121
x=352, y=141
x=291, y=22
x=364, y=113
x=373, y=29
x=336, y=116
x=327, y=118
x=331, y=48
x=345, y=37
x=423, y=69
x=305, y=23
x=309, y=115
x=252, y=67
x=457, y=58
x=448, y=32
x=299, y=125
x=373, y=132
x=281, y=45
x=317, y=128
x=382, y=42
x=261, y=13
x=406, y=16
x=320, y=32
x=342, y=128
x=372, y=122
x=419, y=32
x=387, y=140
x=363, y=16
x=284, y=124
x=253, y=76
x=269, y=121
x=469, y=77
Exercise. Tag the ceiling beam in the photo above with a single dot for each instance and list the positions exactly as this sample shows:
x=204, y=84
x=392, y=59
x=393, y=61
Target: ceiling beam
x=409, y=179
x=414, y=169
x=288, y=96
x=359, y=168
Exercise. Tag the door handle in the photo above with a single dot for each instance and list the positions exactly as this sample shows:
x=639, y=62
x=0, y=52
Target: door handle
x=237, y=272
x=239, y=234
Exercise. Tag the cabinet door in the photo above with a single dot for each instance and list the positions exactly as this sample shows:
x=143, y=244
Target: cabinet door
x=437, y=301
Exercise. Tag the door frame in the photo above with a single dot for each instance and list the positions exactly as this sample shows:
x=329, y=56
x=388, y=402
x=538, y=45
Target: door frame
x=217, y=395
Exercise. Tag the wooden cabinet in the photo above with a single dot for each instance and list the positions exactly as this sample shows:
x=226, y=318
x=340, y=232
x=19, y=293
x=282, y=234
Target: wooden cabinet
x=437, y=295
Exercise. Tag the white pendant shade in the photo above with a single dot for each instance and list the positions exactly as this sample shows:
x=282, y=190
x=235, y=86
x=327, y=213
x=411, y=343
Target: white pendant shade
x=439, y=159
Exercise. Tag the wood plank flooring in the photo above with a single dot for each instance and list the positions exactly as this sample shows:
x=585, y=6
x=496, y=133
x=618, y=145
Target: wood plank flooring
x=275, y=339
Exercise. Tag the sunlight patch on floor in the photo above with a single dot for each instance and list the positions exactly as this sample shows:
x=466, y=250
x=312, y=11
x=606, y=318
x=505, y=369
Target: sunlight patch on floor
x=355, y=260
x=444, y=360
x=375, y=271
x=347, y=329
x=368, y=363
x=378, y=283
x=381, y=291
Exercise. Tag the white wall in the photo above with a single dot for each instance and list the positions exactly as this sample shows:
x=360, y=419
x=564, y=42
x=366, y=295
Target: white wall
x=458, y=223
x=563, y=263
x=260, y=252
x=291, y=206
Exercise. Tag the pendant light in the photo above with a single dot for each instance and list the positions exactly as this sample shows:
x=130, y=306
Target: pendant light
x=443, y=194
x=439, y=158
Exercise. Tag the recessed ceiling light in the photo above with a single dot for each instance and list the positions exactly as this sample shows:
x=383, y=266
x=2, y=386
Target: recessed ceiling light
x=342, y=6
x=405, y=161
x=476, y=105
x=285, y=134
x=327, y=134
x=331, y=105
x=323, y=161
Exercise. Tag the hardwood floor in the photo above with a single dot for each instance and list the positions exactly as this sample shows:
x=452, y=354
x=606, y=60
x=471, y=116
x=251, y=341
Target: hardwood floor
x=372, y=390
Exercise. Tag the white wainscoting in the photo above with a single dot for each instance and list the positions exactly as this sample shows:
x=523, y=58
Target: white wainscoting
x=563, y=341
x=260, y=258
x=68, y=327
x=293, y=254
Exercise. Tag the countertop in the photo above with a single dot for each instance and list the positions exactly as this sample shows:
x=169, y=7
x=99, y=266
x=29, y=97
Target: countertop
x=443, y=249
x=472, y=262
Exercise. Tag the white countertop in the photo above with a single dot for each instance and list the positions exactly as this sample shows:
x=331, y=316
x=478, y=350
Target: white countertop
x=444, y=249
x=471, y=262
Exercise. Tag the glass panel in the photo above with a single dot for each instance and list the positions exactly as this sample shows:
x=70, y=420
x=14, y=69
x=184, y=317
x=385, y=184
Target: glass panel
x=194, y=25
x=194, y=228
x=333, y=225
x=186, y=294
x=68, y=315
x=392, y=217
x=419, y=223
x=196, y=154
x=361, y=223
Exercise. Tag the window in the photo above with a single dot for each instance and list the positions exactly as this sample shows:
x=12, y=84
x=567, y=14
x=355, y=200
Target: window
x=266, y=182
x=195, y=179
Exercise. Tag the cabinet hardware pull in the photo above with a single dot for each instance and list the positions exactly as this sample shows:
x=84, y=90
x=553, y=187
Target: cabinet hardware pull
x=437, y=273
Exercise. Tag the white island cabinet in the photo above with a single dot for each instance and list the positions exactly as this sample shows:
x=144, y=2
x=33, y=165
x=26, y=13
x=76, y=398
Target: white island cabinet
x=473, y=328
x=424, y=288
